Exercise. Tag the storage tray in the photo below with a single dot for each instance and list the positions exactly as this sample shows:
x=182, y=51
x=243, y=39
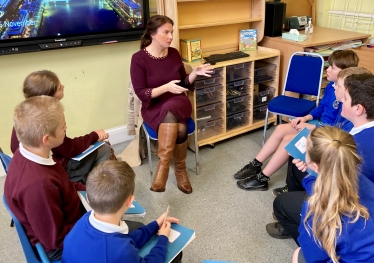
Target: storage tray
x=238, y=88
x=237, y=120
x=238, y=71
x=209, y=128
x=259, y=113
x=208, y=82
x=209, y=95
x=264, y=72
x=217, y=72
x=237, y=105
x=266, y=93
x=209, y=112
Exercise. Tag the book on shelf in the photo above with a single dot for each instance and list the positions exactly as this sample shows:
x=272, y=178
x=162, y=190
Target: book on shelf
x=89, y=150
x=136, y=210
x=180, y=236
x=297, y=146
x=248, y=40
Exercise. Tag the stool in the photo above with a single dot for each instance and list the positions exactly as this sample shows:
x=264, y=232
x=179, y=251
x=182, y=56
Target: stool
x=152, y=135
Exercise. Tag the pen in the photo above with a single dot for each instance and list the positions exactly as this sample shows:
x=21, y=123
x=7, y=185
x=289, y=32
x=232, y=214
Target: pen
x=166, y=215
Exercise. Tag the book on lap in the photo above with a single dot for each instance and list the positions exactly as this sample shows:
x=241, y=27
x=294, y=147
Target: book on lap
x=89, y=150
x=136, y=210
x=297, y=146
x=180, y=236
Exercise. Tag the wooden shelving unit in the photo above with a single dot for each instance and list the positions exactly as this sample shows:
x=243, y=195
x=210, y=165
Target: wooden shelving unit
x=217, y=23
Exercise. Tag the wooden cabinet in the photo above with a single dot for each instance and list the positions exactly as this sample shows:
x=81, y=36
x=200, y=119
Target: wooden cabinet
x=229, y=103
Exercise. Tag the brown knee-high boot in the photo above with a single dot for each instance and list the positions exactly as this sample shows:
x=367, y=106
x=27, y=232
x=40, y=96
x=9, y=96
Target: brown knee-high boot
x=180, y=153
x=167, y=135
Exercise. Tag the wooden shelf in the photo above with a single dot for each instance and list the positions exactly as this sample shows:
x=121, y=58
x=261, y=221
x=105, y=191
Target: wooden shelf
x=220, y=23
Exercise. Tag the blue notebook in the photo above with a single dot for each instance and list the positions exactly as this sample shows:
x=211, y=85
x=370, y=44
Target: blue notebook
x=176, y=243
x=89, y=150
x=297, y=146
x=136, y=210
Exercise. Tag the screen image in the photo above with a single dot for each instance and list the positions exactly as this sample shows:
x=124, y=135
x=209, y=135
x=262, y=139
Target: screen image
x=38, y=19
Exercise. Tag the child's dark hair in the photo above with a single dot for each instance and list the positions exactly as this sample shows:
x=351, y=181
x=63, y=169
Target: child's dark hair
x=109, y=185
x=361, y=89
x=344, y=59
x=43, y=82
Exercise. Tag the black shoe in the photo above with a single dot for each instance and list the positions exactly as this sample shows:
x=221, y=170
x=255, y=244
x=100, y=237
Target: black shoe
x=276, y=230
x=280, y=190
x=251, y=184
x=247, y=171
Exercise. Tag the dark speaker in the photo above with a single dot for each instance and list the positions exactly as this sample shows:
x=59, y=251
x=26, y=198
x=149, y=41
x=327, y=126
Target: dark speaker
x=275, y=13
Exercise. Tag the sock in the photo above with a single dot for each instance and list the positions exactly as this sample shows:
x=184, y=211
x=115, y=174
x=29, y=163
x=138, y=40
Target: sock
x=256, y=163
x=261, y=177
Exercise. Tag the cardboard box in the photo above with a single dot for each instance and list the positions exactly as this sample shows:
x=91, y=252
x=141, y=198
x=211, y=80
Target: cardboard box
x=190, y=49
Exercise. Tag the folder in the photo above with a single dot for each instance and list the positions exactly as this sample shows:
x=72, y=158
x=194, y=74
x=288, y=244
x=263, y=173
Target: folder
x=136, y=210
x=297, y=146
x=89, y=150
x=180, y=236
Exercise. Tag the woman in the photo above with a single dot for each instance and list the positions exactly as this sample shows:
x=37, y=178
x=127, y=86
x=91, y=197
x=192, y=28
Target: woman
x=336, y=224
x=160, y=80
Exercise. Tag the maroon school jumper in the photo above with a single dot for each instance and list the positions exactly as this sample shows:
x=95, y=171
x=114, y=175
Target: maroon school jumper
x=148, y=72
x=43, y=199
x=67, y=150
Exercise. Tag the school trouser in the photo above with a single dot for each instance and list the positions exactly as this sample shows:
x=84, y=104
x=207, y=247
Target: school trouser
x=294, y=177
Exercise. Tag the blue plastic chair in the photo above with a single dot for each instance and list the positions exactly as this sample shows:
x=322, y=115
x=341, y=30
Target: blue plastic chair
x=28, y=250
x=304, y=76
x=152, y=135
x=5, y=161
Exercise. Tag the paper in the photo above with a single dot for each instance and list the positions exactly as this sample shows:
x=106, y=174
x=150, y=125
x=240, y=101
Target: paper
x=301, y=145
x=173, y=235
x=294, y=32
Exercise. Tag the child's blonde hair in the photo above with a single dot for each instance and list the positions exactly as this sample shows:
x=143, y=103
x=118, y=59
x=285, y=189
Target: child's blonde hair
x=336, y=188
x=109, y=185
x=352, y=70
x=344, y=59
x=36, y=117
x=43, y=82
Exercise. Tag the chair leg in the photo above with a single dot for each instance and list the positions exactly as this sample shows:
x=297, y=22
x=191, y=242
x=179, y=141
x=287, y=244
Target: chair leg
x=197, y=154
x=265, y=127
x=149, y=156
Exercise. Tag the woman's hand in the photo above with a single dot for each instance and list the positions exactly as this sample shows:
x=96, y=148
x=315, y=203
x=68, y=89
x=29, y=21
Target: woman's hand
x=203, y=70
x=174, y=88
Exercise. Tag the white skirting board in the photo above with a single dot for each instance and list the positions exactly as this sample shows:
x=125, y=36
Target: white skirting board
x=116, y=135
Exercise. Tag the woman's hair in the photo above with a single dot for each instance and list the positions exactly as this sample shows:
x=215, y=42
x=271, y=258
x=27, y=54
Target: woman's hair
x=336, y=188
x=153, y=24
x=43, y=82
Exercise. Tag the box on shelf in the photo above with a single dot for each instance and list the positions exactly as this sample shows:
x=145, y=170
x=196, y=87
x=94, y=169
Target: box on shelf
x=237, y=120
x=248, y=40
x=209, y=112
x=264, y=72
x=238, y=71
x=265, y=94
x=190, y=49
x=213, y=81
x=209, y=95
x=217, y=72
x=208, y=129
x=237, y=105
x=259, y=113
x=238, y=88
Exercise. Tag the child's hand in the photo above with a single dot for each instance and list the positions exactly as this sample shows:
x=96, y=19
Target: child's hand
x=165, y=229
x=297, y=121
x=300, y=164
x=301, y=126
x=161, y=219
x=102, y=135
